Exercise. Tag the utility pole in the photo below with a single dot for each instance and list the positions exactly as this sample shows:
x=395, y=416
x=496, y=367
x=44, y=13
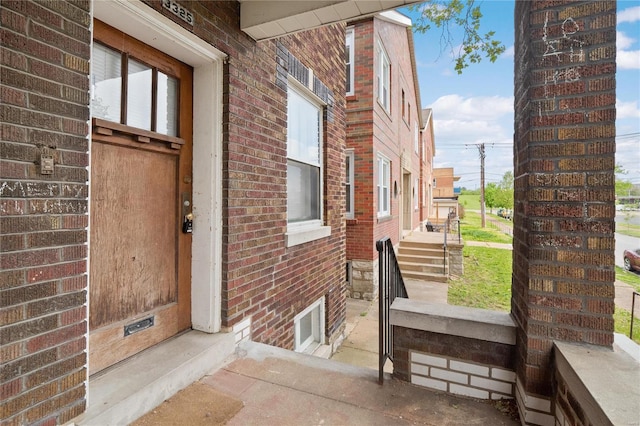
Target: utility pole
x=482, y=206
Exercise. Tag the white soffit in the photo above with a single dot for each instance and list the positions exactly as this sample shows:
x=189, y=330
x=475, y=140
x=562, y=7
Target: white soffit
x=265, y=19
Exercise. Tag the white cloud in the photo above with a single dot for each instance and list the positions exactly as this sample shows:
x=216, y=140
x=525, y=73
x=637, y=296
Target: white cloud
x=630, y=14
x=627, y=109
x=455, y=107
x=509, y=52
x=623, y=41
x=628, y=59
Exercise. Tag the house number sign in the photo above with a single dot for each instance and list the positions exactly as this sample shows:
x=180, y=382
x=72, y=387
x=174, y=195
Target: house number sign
x=178, y=10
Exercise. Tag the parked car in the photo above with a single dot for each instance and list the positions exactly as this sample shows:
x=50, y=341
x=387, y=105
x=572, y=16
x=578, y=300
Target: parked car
x=504, y=213
x=632, y=260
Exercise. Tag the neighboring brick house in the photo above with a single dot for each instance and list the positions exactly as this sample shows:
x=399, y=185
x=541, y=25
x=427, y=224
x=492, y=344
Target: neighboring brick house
x=162, y=171
x=445, y=200
x=385, y=142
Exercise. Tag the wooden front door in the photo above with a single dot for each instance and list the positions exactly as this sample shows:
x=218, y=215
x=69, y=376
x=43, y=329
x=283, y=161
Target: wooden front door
x=141, y=155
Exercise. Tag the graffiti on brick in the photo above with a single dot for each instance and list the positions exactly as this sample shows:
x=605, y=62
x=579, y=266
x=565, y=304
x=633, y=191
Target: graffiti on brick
x=560, y=52
x=28, y=189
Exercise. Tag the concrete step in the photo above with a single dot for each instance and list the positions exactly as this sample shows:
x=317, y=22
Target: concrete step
x=423, y=276
x=419, y=251
x=126, y=391
x=422, y=267
x=425, y=260
x=420, y=245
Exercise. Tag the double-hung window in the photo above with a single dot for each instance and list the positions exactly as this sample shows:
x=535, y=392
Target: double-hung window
x=304, y=167
x=383, y=186
x=349, y=184
x=384, y=78
x=349, y=58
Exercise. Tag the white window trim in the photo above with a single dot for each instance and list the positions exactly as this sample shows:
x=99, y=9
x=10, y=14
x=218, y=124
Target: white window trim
x=350, y=41
x=383, y=59
x=350, y=154
x=317, y=329
x=416, y=194
x=311, y=230
x=380, y=183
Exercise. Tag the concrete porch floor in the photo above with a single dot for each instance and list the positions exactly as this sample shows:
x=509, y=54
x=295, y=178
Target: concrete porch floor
x=280, y=387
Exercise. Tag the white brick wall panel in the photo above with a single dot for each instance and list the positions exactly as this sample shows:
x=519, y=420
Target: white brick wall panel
x=467, y=391
x=423, y=370
x=504, y=375
x=450, y=376
x=434, y=361
x=465, y=367
x=493, y=385
x=429, y=383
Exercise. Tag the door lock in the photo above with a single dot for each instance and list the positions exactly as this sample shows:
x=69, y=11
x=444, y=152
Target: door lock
x=187, y=216
x=187, y=223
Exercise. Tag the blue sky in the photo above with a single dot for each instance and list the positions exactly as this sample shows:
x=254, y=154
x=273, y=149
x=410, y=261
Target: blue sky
x=477, y=106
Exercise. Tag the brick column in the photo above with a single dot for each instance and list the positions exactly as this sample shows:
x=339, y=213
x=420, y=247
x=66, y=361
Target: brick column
x=564, y=144
x=44, y=109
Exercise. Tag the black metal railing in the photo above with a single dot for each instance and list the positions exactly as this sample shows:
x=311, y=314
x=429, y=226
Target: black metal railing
x=633, y=309
x=390, y=286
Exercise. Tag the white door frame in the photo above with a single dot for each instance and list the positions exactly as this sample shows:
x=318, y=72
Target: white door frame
x=147, y=25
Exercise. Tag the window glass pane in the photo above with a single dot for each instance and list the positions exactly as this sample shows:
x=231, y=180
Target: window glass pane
x=139, y=95
x=303, y=130
x=303, y=192
x=306, y=327
x=167, y=108
x=106, y=81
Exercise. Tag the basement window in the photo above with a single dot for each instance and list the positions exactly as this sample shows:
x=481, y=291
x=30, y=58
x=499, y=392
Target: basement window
x=309, y=328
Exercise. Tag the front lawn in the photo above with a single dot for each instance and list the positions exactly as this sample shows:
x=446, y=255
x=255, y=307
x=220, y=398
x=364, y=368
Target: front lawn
x=486, y=282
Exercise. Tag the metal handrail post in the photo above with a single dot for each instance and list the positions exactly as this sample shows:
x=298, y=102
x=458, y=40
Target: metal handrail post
x=633, y=306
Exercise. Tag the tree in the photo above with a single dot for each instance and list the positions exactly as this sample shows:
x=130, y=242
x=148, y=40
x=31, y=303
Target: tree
x=506, y=190
x=623, y=187
x=445, y=14
x=490, y=195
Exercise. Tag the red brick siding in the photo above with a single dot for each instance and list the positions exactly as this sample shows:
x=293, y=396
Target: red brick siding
x=564, y=157
x=371, y=130
x=43, y=218
x=261, y=277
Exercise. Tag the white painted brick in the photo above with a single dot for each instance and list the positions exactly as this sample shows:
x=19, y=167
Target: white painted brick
x=467, y=391
x=423, y=370
x=435, y=361
x=504, y=375
x=429, y=383
x=536, y=418
x=532, y=402
x=493, y=385
x=465, y=367
x=238, y=337
x=450, y=376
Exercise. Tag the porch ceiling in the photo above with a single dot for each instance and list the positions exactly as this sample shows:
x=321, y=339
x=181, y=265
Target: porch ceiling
x=264, y=19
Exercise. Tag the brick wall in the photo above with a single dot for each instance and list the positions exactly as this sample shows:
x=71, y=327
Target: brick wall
x=564, y=148
x=454, y=364
x=370, y=131
x=43, y=217
x=45, y=54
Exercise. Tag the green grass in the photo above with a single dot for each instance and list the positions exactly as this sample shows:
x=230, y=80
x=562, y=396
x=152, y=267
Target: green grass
x=469, y=201
x=471, y=230
x=631, y=278
x=622, y=324
x=486, y=282
x=629, y=229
